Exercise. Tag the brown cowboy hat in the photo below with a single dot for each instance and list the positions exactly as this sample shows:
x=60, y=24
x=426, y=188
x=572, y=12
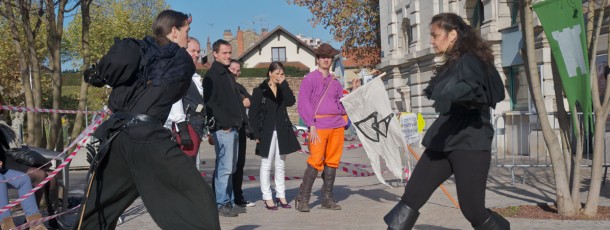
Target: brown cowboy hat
x=326, y=50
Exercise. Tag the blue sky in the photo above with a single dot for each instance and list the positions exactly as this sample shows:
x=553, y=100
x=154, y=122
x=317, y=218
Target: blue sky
x=211, y=18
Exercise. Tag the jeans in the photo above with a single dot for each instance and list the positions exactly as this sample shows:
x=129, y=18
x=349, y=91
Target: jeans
x=23, y=186
x=274, y=155
x=226, y=146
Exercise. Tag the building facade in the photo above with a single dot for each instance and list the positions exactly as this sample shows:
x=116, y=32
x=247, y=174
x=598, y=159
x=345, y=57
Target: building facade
x=408, y=58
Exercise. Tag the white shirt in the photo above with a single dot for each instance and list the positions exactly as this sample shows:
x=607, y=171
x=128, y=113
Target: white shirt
x=176, y=114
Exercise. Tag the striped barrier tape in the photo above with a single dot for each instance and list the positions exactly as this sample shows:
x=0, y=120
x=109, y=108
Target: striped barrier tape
x=304, y=135
x=56, y=171
x=349, y=168
x=41, y=110
x=61, y=155
x=45, y=219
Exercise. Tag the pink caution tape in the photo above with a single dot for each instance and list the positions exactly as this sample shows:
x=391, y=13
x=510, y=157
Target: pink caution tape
x=90, y=130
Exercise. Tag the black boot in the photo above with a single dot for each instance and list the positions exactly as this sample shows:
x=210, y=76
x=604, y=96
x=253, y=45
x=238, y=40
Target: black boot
x=401, y=217
x=327, y=189
x=494, y=222
x=302, y=199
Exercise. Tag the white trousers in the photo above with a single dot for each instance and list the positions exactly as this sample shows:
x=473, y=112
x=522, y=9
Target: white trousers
x=265, y=173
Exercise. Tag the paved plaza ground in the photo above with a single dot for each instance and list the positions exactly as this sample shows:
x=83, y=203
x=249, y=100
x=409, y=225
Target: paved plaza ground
x=365, y=200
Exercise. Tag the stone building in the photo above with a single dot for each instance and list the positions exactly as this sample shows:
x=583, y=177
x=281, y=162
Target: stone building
x=408, y=58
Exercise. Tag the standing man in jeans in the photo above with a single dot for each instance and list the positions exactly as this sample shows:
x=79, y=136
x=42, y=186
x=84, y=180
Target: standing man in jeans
x=223, y=103
x=238, y=176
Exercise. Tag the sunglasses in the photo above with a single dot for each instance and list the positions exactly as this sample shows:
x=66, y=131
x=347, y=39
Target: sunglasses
x=190, y=18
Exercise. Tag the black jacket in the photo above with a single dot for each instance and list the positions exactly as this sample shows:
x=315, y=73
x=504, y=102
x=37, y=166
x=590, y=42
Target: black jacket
x=194, y=99
x=268, y=113
x=473, y=88
x=146, y=79
x=222, y=98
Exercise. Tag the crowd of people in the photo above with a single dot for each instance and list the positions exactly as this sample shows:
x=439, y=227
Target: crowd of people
x=162, y=110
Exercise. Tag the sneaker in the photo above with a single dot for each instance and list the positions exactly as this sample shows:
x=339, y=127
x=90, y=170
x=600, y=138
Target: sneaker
x=245, y=203
x=227, y=211
x=239, y=209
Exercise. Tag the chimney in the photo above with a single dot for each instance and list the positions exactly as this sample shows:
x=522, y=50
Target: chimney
x=208, y=46
x=227, y=35
x=264, y=32
x=240, y=42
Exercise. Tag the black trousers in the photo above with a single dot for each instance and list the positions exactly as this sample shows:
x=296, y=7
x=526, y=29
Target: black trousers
x=238, y=175
x=470, y=169
x=171, y=188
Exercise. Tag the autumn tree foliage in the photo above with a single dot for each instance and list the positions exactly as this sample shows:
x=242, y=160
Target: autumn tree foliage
x=355, y=23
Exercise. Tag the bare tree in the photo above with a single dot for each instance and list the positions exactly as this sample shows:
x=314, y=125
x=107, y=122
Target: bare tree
x=82, y=101
x=565, y=206
x=55, y=27
x=601, y=114
x=18, y=13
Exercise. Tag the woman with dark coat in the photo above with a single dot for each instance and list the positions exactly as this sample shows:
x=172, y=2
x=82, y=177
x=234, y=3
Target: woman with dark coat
x=464, y=89
x=273, y=131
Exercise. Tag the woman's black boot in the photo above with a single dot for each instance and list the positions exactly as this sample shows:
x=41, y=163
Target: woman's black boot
x=401, y=217
x=494, y=222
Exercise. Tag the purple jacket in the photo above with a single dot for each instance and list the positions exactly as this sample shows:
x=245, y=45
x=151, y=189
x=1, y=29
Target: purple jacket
x=330, y=108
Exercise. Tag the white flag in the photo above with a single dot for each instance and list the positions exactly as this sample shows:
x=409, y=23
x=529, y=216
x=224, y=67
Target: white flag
x=378, y=129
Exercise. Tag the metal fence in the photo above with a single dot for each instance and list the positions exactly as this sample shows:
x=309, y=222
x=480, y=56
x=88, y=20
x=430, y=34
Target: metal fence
x=518, y=141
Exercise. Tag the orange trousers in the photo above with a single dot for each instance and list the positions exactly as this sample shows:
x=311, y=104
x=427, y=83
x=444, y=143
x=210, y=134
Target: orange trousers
x=328, y=150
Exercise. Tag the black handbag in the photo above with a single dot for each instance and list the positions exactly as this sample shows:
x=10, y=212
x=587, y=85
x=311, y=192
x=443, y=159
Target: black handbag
x=26, y=156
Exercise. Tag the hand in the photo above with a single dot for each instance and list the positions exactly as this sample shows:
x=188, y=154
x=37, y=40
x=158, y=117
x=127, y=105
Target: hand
x=246, y=102
x=281, y=79
x=313, y=135
x=442, y=104
x=185, y=137
x=91, y=152
x=355, y=84
x=258, y=141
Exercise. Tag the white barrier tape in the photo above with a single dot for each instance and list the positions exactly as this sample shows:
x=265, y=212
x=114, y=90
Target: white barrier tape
x=41, y=110
x=45, y=219
x=61, y=155
x=254, y=178
x=56, y=171
x=349, y=167
x=304, y=135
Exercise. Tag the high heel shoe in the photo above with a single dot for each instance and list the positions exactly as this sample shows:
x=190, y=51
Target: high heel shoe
x=270, y=207
x=279, y=203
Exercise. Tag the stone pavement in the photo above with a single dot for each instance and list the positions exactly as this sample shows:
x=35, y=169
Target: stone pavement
x=365, y=200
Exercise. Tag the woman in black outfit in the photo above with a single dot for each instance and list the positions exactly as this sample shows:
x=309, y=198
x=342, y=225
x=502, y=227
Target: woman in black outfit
x=463, y=89
x=137, y=156
x=273, y=131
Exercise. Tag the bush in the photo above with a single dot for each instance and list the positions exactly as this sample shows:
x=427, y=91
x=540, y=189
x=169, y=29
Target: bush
x=71, y=79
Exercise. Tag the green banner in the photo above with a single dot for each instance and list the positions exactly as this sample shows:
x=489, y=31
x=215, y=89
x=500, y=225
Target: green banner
x=563, y=24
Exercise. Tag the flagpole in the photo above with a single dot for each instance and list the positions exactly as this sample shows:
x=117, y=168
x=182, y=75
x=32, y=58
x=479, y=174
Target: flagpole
x=441, y=186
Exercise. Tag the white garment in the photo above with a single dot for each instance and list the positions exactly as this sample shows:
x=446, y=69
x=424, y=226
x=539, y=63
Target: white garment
x=265, y=173
x=176, y=114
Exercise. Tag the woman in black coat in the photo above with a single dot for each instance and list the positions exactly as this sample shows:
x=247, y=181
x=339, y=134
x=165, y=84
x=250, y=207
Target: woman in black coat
x=273, y=131
x=464, y=89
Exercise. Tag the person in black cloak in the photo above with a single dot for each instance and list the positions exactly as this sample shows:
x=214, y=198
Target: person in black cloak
x=458, y=143
x=137, y=156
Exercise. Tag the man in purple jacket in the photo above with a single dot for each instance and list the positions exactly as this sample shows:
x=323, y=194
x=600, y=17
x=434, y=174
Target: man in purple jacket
x=323, y=113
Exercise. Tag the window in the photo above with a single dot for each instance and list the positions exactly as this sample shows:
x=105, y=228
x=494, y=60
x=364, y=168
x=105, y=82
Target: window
x=478, y=15
x=517, y=88
x=278, y=54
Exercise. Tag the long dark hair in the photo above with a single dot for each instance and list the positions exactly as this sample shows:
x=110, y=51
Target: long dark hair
x=165, y=21
x=274, y=66
x=467, y=41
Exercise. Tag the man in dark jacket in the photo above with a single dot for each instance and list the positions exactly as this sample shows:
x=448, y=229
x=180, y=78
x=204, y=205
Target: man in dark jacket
x=238, y=176
x=223, y=104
